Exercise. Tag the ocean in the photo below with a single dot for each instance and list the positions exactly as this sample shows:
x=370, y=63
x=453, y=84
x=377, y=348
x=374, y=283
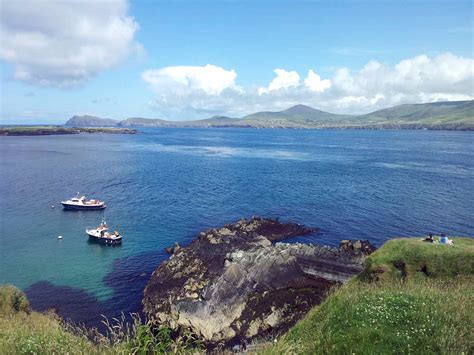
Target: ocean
x=166, y=185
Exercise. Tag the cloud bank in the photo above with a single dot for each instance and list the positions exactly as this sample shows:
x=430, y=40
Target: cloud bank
x=193, y=91
x=64, y=43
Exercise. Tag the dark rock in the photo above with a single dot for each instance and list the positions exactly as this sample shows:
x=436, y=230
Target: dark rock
x=233, y=283
x=173, y=249
x=363, y=247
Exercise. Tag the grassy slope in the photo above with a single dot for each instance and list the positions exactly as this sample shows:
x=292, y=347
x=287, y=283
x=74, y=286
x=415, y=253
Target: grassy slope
x=383, y=312
x=415, y=258
x=450, y=115
x=430, y=112
x=24, y=332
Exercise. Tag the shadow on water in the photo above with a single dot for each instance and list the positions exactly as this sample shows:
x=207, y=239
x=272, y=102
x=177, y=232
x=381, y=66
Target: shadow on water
x=127, y=279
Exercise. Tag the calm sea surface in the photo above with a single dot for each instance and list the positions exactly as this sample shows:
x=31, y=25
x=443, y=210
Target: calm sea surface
x=166, y=185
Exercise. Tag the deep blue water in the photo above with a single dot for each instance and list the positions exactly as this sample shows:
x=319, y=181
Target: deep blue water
x=166, y=185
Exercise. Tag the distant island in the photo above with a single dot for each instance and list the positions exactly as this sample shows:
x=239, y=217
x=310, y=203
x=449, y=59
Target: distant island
x=450, y=115
x=57, y=130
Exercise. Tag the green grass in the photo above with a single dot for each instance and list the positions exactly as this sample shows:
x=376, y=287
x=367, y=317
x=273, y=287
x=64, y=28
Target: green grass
x=413, y=258
x=26, y=332
x=427, y=317
x=387, y=311
x=28, y=128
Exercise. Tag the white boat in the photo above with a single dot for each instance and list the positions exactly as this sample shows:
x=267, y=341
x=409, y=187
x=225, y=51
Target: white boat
x=81, y=203
x=101, y=234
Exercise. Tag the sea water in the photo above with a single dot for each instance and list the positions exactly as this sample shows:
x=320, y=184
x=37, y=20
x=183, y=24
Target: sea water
x=165, y=185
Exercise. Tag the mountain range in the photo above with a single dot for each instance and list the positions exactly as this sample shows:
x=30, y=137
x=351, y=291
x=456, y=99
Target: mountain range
x=450, y=115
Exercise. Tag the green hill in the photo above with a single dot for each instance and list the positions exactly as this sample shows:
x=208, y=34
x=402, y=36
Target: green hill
x=437, y=110
x=296, y=116
x=414, y=297
x=452, y=115
x=142, y=122
x=448, y=115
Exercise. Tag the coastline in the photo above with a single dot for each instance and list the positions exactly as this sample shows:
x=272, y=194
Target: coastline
x=59, y=130
x=340, y=128
x=398, y=288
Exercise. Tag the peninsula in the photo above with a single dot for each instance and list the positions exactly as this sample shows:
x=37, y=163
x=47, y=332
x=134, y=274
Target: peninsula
x=451, y=115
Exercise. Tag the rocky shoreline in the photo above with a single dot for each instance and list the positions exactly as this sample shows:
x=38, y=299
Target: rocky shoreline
x=239, y=282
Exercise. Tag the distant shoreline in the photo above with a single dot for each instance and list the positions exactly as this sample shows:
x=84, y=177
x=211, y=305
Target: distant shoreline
x=59, y=130
x=451, y=115
x=368, y=128
x=18, y=131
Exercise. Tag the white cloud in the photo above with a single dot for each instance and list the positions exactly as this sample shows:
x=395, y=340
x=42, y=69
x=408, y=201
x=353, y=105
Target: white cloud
x=284, y=80
x=445, y=77
x=64, y=43
x=419, y=79
x=179, y=80
x=313, y=82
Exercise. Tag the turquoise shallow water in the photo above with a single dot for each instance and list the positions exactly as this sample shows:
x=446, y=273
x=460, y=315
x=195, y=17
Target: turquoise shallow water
x=166, y=185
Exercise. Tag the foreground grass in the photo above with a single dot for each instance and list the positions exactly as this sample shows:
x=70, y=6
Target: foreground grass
x=35, y=333
x=409, y=317
x=26, y=332
x=413, y=297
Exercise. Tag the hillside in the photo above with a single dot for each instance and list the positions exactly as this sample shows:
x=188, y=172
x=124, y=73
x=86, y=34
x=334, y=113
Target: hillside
x=413, y=297
x=23, y=331
x=450, y=110
x=299, y=115
x=142, y=122
x=453, y=115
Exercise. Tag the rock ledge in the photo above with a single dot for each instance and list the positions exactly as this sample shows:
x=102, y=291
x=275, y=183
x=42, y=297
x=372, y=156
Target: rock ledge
x=238, y=282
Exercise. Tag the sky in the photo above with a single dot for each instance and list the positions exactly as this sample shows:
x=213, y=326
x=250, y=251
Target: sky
x=183, y=59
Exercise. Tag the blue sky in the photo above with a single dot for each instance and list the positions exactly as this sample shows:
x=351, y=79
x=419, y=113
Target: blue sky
x=353, y=47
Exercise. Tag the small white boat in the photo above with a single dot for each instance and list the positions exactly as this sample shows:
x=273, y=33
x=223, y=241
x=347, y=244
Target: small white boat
x=81, y=203
x=101, y=234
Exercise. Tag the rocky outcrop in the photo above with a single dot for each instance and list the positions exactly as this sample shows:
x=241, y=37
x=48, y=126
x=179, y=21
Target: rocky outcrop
x=363, y=247
x=239, y=281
